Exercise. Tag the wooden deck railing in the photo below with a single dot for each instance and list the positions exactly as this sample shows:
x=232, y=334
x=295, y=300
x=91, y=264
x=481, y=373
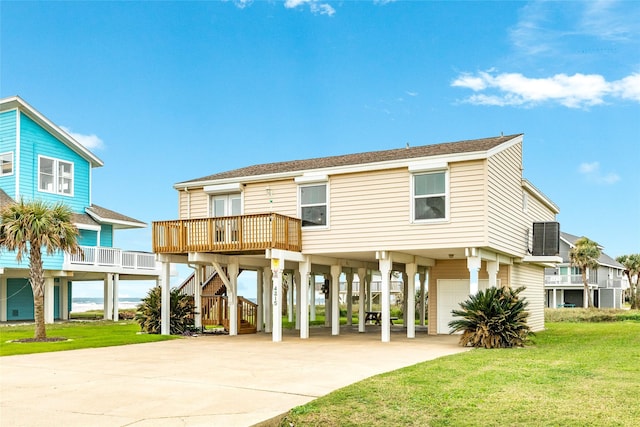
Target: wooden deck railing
x=242, y=233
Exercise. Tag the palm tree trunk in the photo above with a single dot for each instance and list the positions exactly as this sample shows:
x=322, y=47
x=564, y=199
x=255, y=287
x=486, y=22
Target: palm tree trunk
x=37, y=285
x=587, y=303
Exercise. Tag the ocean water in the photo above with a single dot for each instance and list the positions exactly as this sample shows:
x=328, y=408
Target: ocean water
x=79, y=305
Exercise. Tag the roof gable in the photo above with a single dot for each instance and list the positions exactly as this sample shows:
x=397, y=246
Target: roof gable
x=16, y=102
x=372, y=157
x=604, y=260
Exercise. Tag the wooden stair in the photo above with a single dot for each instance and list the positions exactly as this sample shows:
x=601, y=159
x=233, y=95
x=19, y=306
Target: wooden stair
x=214, y=308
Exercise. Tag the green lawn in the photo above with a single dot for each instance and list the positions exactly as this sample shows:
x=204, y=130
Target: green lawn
x=79, y=334
x=575, y=374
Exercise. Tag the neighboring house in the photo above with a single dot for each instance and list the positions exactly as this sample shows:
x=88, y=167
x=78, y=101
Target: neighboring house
x=39, y=160
x=457, y=216
x=564, y=287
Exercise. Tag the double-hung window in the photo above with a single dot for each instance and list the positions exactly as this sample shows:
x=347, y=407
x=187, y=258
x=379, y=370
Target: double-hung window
x=55, y=176
x=6, y=164
x=430, y=196
x=313, y=205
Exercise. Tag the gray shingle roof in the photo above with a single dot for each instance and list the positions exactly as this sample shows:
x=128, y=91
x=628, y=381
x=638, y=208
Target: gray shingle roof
x=467, y=146
x=4, y=199
x=604, y=258
x=110, y=215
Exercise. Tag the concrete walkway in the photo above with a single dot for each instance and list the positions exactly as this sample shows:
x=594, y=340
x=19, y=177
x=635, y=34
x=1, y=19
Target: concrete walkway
x=201, y=381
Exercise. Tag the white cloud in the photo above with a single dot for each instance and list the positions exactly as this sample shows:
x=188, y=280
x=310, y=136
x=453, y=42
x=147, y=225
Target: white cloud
x=315, y=6
x=575, y=31
x=592, y=172
x=411, y=93
x=576, y=91
x=608, y=20
x=91, y=142
x=241, y=4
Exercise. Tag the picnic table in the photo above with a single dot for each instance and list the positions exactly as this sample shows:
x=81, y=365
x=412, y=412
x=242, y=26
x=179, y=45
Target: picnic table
x=376, y=317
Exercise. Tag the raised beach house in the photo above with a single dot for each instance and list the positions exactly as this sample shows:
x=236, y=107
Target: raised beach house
x=564, y=287
x=454, y=217
x=39, y=160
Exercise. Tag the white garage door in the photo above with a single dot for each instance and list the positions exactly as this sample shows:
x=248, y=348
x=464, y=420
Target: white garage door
x=450, y=294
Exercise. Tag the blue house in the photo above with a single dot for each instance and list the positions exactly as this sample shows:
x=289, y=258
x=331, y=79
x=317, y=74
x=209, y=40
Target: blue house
x=39, y=160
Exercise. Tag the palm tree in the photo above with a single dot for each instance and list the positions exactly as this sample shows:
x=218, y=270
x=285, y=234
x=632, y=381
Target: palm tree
x=493, y=318
x=584, y=255
x=631, y=264
x=28, y=228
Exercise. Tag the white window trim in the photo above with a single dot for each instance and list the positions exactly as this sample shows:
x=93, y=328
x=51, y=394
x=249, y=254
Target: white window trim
x=13, y=163
x=447, y=196
x=56, y=177
x=314, y=183
x=212, y=197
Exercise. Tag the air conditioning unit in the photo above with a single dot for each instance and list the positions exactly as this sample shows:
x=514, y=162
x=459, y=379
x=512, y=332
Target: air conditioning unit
x=546, y=238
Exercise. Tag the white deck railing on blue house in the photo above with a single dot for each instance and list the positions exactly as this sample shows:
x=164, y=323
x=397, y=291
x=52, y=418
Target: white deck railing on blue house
x=112, y=257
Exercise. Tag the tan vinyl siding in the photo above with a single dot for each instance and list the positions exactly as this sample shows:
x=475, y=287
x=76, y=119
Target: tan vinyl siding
x=532, y=277
x=193, y=204
x=284, y=198
x=507, y=224
x=369, y=211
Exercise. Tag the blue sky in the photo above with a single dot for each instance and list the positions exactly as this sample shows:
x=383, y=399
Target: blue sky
x=165, y=92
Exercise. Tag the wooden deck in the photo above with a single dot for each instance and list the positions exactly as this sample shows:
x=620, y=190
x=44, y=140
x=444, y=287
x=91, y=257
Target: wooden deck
x=231, y=234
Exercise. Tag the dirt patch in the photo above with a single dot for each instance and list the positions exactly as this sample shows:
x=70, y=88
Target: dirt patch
x=48, y=339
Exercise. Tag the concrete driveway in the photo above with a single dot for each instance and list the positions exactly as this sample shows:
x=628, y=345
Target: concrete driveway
x=201, y=381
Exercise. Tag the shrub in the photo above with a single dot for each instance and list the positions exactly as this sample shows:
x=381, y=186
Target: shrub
x=180, y=316
x=493, y=318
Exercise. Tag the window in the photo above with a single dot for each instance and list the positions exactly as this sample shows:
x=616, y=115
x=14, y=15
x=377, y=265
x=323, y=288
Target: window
x=313, y=205
x=55, y=176
x=6, y=164
x=429, y=196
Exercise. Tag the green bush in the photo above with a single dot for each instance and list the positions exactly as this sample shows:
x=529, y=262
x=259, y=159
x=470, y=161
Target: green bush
x=493, y=318
x=589, y=315
x=181, y=312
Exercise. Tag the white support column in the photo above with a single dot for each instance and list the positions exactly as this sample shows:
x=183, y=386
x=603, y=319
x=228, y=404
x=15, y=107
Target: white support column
x=108, y=297
x=277, y=268
x=116, y=286
x=290, y=299
x=297, y=287
x=411, y=270
x=349, y=277
x=233, y=269
x=385, y=266
x=473, y=264
x=64, y=299
x=268, y=300
x=492, y=269
x=303, y=315
x=197, y=295
x=49, y=299
x=260, y=299
x=423, y=292
x=312, y=296
x=165, y=298
x=362, y=276
x=335, y=300
x=405, y=292
x=554, y=303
